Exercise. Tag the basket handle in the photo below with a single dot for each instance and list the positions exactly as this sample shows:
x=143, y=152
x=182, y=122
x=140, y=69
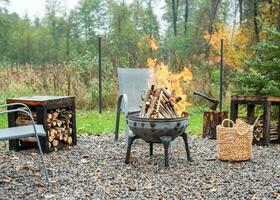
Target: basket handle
x=227, y=120
x=248, y=128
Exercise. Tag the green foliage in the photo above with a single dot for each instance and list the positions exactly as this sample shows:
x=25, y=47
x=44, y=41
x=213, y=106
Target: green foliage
x=263, y=74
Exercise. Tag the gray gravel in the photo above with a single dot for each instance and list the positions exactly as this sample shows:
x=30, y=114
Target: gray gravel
x=95, y=169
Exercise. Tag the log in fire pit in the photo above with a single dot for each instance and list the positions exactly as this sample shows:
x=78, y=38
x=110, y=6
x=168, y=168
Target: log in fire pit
x=157, y=131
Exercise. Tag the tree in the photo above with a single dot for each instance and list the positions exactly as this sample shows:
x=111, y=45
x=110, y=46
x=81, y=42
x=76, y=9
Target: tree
x=262, y=74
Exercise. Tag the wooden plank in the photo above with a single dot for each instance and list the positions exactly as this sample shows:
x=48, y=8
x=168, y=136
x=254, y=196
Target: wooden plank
x=266, y=124
x=250, y=113
x=74, y=133
x=13, y=144
x=256, y=98
x=210, y=122
x=42, y=119
x=278, y=128
x=42, y=100
x=233, y=110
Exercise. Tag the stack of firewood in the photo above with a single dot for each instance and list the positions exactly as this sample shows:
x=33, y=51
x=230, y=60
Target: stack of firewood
x=159, y=103
x=258, y=131
x=59, y=127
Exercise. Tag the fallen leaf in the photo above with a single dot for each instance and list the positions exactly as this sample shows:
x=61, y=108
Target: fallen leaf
x=161, y=198
x=209, y=179
x=148, y=186
x=34, y=154
x=84, y=161
x=276, y=194
x=130, y=159
x=49, y=196
x=31, y=168
x=14, y=158
x=5, y=179
x=213, y=190
x=94, y=179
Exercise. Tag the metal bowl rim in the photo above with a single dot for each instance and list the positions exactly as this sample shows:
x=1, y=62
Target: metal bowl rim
x=132, y=116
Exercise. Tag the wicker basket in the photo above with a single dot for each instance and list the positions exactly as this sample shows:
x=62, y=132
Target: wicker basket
x=235, y=143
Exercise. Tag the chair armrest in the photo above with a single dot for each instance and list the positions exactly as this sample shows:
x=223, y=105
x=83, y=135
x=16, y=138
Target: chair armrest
x=16, y=104
x=125, y=102
x=20, y=110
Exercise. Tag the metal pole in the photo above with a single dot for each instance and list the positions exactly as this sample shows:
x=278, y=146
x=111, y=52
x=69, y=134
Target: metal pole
x=221, y=74
x=99, y=74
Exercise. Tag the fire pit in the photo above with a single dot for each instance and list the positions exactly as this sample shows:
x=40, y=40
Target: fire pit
x=157, y=131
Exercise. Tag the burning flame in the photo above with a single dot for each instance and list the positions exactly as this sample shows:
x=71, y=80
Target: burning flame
x=164, y=78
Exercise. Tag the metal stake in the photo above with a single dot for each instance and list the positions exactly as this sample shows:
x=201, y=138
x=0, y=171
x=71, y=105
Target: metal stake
x=221, y=75
x=99, y=74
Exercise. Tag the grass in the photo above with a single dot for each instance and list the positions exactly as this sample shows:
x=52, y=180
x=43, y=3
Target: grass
x=92, y=123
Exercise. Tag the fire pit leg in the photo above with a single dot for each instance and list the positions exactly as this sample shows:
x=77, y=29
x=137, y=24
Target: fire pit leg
x=185, y=138
x=131, y=138
x=166, y=143
x=151, y=149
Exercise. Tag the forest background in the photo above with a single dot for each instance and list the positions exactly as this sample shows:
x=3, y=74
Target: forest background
x=57, y=54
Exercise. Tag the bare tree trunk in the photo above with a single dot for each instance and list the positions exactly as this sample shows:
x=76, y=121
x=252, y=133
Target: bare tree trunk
x=255, y=20
x=186, y=16
x=174, y=12
x=278, y=19
x=240, y=12
x=150, y=20
x=214, y=8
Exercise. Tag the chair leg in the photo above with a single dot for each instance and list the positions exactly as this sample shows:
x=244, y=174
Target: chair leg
x=118, y=118
x=131, y=138
x=185, y=138
x=42, y=158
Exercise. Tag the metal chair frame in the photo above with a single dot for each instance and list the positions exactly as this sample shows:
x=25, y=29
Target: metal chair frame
x=123, y=100
x=29, y=113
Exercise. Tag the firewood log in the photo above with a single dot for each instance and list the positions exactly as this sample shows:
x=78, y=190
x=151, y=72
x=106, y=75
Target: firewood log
x=55, y=115
x=55, y=142
x=52, y=132
x=59, y=136
x=49, y=125
x=50, y=116
x=69, y=140
x=54, y=123
x=51, y=138
x=58, y=123
x=155, y=98
x=65, y=138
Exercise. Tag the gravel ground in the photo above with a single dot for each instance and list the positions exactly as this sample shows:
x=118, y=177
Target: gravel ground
x=95, y=169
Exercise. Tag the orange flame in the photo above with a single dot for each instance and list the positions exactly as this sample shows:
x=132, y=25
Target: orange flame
x=164, y=78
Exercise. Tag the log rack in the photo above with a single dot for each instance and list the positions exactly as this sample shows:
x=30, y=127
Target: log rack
x=251, y=101
x=41, y=105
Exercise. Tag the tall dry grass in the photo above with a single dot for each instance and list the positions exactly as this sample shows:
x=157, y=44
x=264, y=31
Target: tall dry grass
x=59, y=79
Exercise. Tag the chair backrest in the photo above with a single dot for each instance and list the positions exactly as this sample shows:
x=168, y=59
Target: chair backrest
x=132, y=81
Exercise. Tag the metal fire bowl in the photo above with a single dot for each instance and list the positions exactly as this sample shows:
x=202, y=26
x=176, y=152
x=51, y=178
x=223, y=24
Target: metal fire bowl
x=151, y=130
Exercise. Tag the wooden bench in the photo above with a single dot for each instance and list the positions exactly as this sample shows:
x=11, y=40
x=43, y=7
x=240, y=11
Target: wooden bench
x=251, y=101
